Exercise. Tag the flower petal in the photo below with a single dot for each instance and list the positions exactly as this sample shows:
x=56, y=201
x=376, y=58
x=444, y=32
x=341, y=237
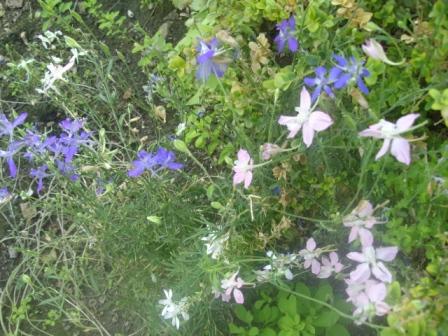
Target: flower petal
x=383, y=150
x=307, y=134
x=238, y=295
x=320, y=121
x=310, y=244
x=381, y=272
x=361, y=273
x=386, y=253
x=305, y=99
x=366, y=237
x=401, y=150
x=356, y=256
x=404, y=123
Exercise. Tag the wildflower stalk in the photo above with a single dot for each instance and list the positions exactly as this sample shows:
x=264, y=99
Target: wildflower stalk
x=323, y=303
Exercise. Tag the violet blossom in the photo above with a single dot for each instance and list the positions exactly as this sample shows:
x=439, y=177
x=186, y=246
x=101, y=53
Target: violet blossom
x=149, y=161
x=8, y=154
x=308, y=120
x=7, y=127
x=351, y=70
x=286, y=30
x=322, y=82
x=39, y=173
x=208, y=61
x=5, y=195
x=391, y=133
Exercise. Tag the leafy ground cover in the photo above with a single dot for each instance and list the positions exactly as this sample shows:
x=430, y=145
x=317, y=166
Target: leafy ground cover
x=204, y=167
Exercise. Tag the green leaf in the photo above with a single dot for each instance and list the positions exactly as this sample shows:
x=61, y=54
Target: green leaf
x=324, y=292
x=389, y=332
x=254, y=331
x=326, y=319
x=394, y=293
x=268, y=332
x=337, y=330
x=235, y=330
x=288, y=305
x=243, y=314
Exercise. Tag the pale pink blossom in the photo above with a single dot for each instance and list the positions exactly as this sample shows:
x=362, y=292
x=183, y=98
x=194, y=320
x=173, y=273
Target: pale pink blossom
x=307, y=120
x=368, y=298
x=361, y=220
x=243, y=169
x=391, y=133
x=310, y=255
x=374, y=50
x=330, y=265
x=269, y=150
x=230, y=285
x=369, y=263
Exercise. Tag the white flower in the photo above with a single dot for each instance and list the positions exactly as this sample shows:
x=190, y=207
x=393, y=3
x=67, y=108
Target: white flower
x=215, y=245
x=54, y=73
x=48, y=38
x=172, y=310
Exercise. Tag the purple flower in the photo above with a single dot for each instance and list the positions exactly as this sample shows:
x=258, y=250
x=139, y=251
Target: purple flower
x=286, y=30
x=322, y=82
x=72, y=126
x=148, y=161
x=165, y=159
x=7, y=127
x=13, y=148
x=34, y=145
x=40, y=174
x=67, y=169
x=4, y=194
x=207, y=62
x=351, y=70
x=72, y=138
x=145, y=161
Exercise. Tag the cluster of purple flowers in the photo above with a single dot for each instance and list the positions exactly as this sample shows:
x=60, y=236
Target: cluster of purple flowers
x=36, y=147
x=162, y=159
x=339, y=76
x=211, y=62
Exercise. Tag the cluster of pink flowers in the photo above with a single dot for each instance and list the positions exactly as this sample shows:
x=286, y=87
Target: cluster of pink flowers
x=367, y=283
x=312, y=122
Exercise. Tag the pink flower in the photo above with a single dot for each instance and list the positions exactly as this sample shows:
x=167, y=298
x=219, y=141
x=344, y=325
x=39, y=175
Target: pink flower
x=368, y=298
x=369, y=264
x=391, y=133
x=269, y=150
x=329, y=266
x=306, y=120
x=232, y=285
x=374, y=50
x=360, y=220
x=243, y=169
x=310, y=254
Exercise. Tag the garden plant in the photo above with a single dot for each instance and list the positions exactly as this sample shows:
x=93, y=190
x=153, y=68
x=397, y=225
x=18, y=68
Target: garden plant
x=224, y=167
